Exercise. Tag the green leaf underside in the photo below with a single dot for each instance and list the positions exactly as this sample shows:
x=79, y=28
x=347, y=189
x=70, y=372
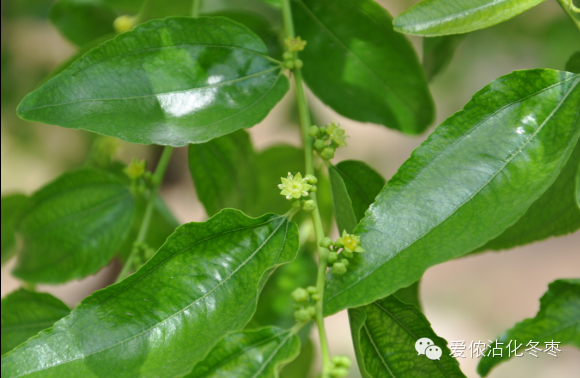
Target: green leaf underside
x=555, y=213
x=573, y=64
x=362, y=183
x=201, y=285
x=302, y=365
x=384, y=335
x=25, y=313
x=360, y=67
x=344, y=213
x=249, y=354
x=438, y=52
x=441, y=17
x=557, y=320
x=73, y=226
x=82, y=21
x=224, y=173
x=476, y=175
x=172, y=82
x=10, y=208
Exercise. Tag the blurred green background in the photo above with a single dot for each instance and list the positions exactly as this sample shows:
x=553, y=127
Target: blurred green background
x=473, y=298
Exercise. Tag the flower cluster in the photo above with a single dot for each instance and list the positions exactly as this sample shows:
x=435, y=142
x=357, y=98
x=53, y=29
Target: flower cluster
x=346, y=245
x=294, y=188
x=294, y=45
x=304, y=303
x=340, y=366
x=328, y=139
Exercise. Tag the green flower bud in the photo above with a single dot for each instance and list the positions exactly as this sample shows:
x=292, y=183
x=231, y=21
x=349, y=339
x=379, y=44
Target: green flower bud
x=339, y=372
x=313, y=131
x=316, y=297
x=311, y=311
x=346, y=254
x=124, y=23
x=319, y=144
x=289, y=64
x=326, y=242
x=311, y=179
x=339, y=269
x=313, y=189
x=327, y=153
x=341, y=361
x=302, y=315
x=297, y=203
x=288, y=55
x=298, y=64
x=332, y=258
x=312, y=289
x=300, y=295
x=309, y=206
x=344, y=262
x=136, y=169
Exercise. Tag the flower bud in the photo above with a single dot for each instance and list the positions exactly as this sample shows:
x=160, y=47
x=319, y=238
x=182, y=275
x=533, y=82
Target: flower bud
x=319, y=144
x=289, y=64
x=342, y=361
x=327, y=153
x=311, y=179
x=346, y=254
x=325, y=243
x=344, y=262
x=288, y=55
x=309, y=206
x=339, y=269
x=312, y=289
x=332, y=258
x=302, y=315
x=298, y=64
x=316, y=297
x=313, y=131
x=300, y=295
x=124, y=23
x=339, y=372
x=313, y=189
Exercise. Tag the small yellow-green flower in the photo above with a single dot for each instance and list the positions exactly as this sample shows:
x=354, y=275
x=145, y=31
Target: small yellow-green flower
x=295, y=44
x=136, y=169
x=294, y=186
x=336, y=134
x=350, y=243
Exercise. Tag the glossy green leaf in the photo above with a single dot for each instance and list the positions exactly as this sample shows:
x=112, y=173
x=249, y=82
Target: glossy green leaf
x=172, y=82
x=82, y=21
x=73, y=226
x=201, y=285
x=224, y=173
x=558, y=320
x=476, y=175
x=573, y=64
x=302, y=365
x=384, y=334
x=554, y=214
x=359, y=66
x=25, y=313
x=410, y=294
x=362, y=183
x=438, y=52
x=344, y=213
x=249, y=354
x=163, y=225
x=441, y=17
x=10, y=207
x=275, y=306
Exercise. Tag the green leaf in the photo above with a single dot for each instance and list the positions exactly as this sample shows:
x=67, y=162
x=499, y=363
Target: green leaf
x=302, y=365
x=438, y=52
x=82, y=21
x=249, y=354
x=224, y=171
x=476, y=175
x=172, y=82
x=359, y=66
x=573, y=64
x=10, y=207
x=384, y=334
x=558, y=320
x=440, y=17
x=554, y=214
x=345, y=218
x=200, y=286
x=25, y=313
x=73, y=226
x=410, y=295
x=151, y=9
x=362, y=183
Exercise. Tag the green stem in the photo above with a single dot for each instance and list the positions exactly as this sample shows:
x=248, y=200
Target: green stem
x=144, y=11
x=572, y=11
x=157, y=179
x=305, y=123
x=195, y=8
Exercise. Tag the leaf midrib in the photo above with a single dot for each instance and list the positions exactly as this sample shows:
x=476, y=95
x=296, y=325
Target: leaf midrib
x=130, y=98
x=180, y=311
x=486, y=183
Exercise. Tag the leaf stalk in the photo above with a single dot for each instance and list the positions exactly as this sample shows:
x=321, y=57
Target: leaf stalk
x=157, y=179
x=572, y=11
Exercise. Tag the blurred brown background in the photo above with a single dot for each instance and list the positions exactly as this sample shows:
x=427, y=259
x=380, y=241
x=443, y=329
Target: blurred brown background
x=474, y=298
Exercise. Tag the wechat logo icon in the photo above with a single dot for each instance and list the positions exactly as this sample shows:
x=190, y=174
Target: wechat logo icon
x=428, y=348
